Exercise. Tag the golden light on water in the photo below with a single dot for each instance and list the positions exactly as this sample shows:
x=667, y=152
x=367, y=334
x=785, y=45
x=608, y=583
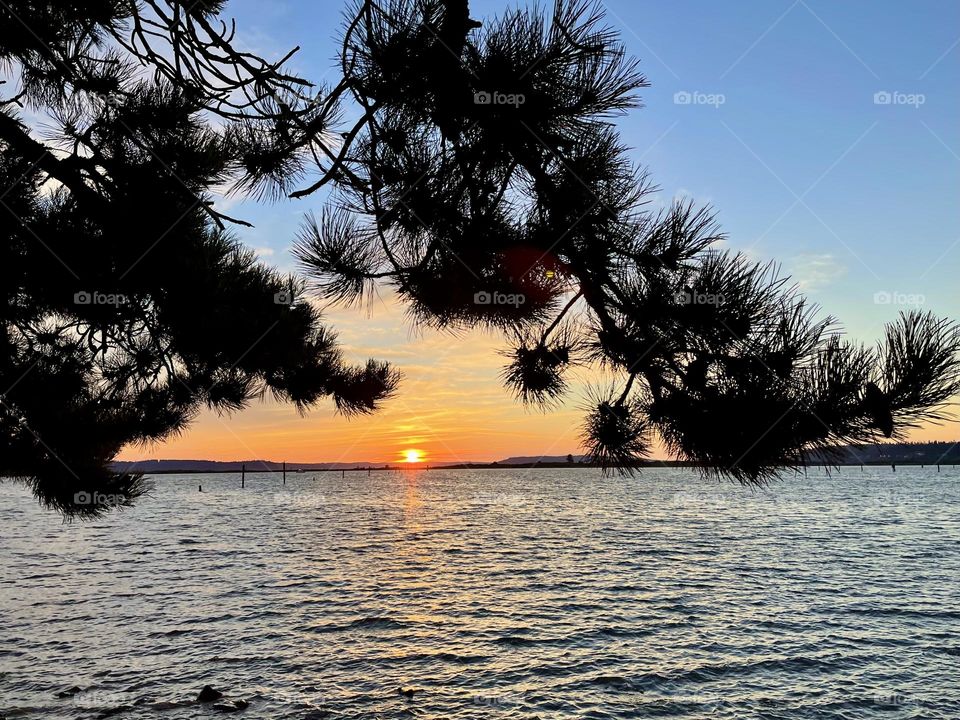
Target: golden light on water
x=412, y=456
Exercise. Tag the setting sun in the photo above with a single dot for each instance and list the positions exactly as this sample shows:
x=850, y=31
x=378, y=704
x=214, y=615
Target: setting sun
x=412, y=456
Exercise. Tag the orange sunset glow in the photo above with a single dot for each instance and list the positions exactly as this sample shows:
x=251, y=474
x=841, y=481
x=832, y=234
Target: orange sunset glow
x=451, y=407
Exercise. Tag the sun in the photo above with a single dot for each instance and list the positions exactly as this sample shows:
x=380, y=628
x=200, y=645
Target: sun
x=412, y=456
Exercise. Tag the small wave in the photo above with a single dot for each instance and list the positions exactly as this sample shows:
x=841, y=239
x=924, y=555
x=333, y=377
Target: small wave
x=380, y=623
x=516, y=641
x=428, y=658
x=671, y=680
x=872, y=611
x=459, y=659
x=618, y=682
x=618, y=632
x=210, y=619
x=170, y=633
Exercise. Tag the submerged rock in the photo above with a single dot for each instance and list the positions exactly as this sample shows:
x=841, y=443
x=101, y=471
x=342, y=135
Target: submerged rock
x=70, y=692
x=407, y=692
x=208, y=694
x=230, y=707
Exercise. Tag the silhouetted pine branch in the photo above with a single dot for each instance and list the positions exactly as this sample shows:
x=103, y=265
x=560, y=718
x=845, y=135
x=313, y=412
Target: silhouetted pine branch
x=490, y=170
x=127, y=305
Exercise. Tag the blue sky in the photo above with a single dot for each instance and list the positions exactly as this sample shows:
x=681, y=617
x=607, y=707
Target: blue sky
x=783, y=134
x=802, y=165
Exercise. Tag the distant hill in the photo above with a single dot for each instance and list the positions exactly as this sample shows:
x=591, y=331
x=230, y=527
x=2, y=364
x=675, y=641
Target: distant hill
x=928, y=453
x=931, y=453
x=527, y=460
x=216, y=466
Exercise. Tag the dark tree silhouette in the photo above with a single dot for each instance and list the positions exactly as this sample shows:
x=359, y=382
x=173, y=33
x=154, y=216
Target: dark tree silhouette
x=485, y=182
x=478, y=174
x=126, y=303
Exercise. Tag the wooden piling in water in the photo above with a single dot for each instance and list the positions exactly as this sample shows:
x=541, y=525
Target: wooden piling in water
x=284, y=473
x=243, y=476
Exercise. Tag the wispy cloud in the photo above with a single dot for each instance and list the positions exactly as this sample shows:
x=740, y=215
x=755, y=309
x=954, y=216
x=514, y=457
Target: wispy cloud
x=815, y=272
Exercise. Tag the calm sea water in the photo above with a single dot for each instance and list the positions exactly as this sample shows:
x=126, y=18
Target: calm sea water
x=495, y=594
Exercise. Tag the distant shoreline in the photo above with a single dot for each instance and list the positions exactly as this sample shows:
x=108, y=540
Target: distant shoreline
x=514, y=466
x=907, y=454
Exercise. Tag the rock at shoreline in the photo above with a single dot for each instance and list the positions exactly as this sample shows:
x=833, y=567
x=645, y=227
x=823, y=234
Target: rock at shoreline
x=231, y=707
x=208, y=694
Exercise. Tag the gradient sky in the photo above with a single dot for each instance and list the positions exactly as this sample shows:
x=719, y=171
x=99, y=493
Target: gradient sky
x=857, y=199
